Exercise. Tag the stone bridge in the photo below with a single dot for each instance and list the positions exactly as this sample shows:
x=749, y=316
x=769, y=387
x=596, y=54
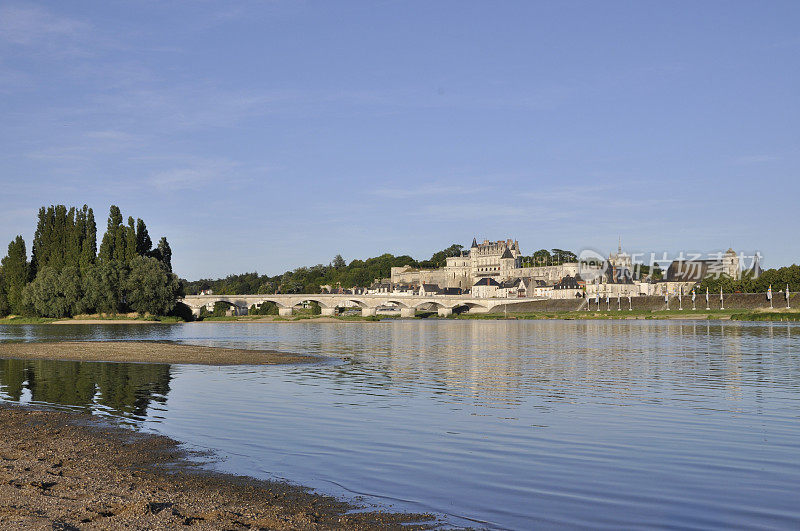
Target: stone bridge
x=408, y=304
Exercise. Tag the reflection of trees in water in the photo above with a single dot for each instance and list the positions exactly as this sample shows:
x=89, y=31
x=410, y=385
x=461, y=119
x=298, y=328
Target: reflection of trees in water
x=127, y=388
x=504, y=363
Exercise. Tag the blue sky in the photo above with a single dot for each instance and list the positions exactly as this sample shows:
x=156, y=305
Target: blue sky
x=269, y=135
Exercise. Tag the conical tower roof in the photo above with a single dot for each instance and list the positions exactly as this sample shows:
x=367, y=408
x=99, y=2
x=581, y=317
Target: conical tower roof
x=474, y=242
x=507, y=254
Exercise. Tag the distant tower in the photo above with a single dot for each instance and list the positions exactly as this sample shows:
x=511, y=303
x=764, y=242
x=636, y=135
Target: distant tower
x=507, y=260
x=730, y=264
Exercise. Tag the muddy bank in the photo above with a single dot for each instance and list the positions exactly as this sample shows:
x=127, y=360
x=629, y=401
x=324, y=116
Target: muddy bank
x=147, y=352
x=63, y=470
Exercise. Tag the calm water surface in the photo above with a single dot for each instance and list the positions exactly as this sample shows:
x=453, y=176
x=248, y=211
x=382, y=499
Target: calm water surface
x=505, y=424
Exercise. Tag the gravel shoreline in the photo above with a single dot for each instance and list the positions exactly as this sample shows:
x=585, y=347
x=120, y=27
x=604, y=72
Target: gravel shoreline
x=61, y=470
x=66, y=470
x=147, y=352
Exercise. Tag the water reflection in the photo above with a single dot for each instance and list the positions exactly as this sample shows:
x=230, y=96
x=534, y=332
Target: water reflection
x=513, y=423
x=126, y=389
x=502, y=364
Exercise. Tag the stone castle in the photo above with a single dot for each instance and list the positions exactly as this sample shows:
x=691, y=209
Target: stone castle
x=499, y=260
x=500, y=263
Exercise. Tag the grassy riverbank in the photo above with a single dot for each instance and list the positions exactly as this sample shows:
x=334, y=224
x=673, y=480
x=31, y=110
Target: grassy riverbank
x=92, y=319
x=734, y=314
x=768, y=315
x=70, y=471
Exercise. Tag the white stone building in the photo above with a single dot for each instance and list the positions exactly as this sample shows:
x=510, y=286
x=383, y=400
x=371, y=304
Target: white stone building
x=500, y=260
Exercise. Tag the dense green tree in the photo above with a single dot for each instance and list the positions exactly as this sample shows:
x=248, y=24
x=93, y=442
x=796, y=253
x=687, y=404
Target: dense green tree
x=64, y=237
x=560, y=256
x=220, y=309
x=338, y=262
x=5, y=309
x=130, y=240
x=439, y=259
x=266, y=308
x=102, y=290
x=541, y=257
x=67, y=275
x=143, y=242
x=16, y=274
x=150, y=287
x=56, y=294
x=89, y=243
x=112, y=247
x=164, y=253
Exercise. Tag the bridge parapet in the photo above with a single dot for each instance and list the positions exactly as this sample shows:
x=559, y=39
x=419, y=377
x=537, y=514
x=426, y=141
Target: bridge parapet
x=408, y=304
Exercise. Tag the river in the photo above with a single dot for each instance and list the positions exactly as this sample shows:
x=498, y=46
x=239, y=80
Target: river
x=501, y=424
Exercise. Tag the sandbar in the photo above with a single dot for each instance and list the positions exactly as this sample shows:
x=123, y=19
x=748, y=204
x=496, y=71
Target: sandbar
x=148, y=352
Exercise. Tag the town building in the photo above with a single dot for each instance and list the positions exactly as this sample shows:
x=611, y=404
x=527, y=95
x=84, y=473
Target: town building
x=486, y=287
x=429, y=289
x=516, y=288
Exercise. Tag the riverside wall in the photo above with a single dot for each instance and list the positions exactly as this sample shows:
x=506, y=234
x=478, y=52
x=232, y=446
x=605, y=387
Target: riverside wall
x=732, y=301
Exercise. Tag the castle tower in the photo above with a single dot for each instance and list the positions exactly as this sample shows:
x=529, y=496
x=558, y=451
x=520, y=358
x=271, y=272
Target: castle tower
x=507, y=260
x=730, y=264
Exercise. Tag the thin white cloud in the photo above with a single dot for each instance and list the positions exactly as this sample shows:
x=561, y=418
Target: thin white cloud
x=29, y=25
x=427, y=190
x=756, y=159
x=196, y=174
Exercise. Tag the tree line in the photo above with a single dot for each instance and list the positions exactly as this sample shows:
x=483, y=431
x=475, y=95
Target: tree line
x=68, y=275
x=543, y=257
x=306, y=279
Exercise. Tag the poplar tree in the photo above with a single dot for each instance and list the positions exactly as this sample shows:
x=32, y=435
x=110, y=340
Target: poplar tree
x=4, y=309
x=68, y=274
x=113, y=243
x=130, y=240
x=144, y=244
x=89, y=242
x=164, y=253
x=64, y=237
x=16, y=273
x=105, y=285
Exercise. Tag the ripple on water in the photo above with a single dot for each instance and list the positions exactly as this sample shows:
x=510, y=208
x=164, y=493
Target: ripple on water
x=511, y=423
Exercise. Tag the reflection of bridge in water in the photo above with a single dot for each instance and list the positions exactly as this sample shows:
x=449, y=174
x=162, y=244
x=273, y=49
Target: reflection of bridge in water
x=369, y=304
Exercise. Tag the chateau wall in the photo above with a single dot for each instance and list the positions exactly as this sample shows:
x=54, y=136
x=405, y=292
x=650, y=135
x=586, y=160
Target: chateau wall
x=550, y=274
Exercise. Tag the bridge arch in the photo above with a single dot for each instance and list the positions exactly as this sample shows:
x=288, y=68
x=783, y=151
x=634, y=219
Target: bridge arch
x=323, y=302
x=276, y=302
x=400, y=303
x=436, y=303
x=239, y=306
